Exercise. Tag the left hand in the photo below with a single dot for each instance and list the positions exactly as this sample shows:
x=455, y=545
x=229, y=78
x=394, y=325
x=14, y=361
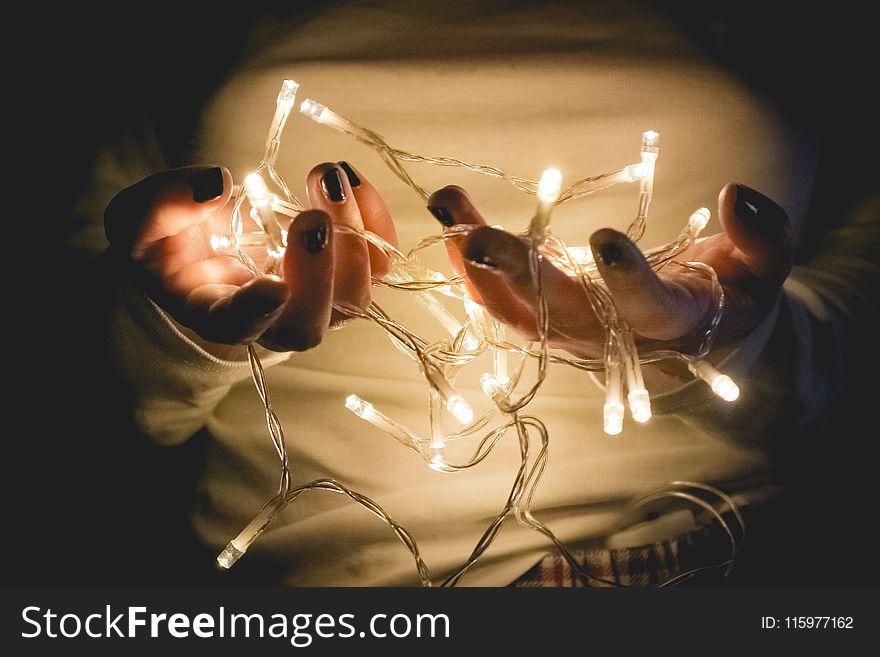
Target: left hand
x=752, y=257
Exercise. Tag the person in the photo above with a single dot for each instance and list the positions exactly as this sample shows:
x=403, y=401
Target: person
x=592, y=79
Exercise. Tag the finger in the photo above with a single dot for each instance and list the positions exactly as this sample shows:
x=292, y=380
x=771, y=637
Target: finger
x=374, y=214
x=759, y=228
x=165, y=204
x=452, y=206
x=658, y=309
x=499, y=264
x=309, y=277
x=329, y=190
x=231, y=314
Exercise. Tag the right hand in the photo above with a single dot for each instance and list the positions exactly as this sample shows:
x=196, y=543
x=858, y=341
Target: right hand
x=163, y=224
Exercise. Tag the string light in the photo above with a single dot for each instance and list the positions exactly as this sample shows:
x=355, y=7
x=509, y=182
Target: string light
x=549, y=188
x=439, y=361
x=721, y=384
x=261, y=212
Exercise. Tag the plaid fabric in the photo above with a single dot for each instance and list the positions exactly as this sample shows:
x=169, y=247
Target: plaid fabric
x=646, y=565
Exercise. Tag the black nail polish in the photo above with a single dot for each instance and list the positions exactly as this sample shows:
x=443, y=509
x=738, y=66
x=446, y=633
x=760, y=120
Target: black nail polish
x=483, y=260
x=353, y=179
x=754, y=209
x=442, y=215
x=206, y=185
x=610, y=253
x=314, y=240
x=332, y=185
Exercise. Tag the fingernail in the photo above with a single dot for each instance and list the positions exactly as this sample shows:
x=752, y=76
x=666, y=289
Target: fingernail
x=353, y=179
x=331, y=183
x=207, y=184
x=314, y=240
x=609, y=253
x=754, y=208
x=483, y=260
x=442, y=215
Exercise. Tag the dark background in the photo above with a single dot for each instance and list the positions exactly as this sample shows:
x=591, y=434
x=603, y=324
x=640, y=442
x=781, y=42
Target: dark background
x=93, y=502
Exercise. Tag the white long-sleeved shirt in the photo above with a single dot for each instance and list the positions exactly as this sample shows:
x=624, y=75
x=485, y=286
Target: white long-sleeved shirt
x=521, y=91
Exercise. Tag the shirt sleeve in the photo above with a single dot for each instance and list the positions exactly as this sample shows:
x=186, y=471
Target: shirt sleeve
x=793, y=366
x=175, y=382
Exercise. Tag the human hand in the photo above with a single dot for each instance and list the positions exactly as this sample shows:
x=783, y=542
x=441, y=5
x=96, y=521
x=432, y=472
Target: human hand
x=752, y=256
x=162, y=227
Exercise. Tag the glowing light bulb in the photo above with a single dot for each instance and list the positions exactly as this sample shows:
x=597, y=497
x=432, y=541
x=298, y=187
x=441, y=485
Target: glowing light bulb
x=366, y=411
x=650, y=151
x=549, y=188
x=493, y=389
x=261, y=212
x=287, y=94
x=698, y=221
x=612, y=411
x=721, y=384
x=612, y=415
x=312, y=109
x=220, y=242
x=639, y=405
x=460, y=409
x=582, y=255
x=283, y=104
x=357, y=405
x=470, y=343
x=325, y=116
x=237, y=547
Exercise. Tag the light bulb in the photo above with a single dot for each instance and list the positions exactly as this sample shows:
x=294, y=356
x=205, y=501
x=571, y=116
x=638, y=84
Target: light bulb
x=366, y=411
x=721, y=384
x=639, y=405
x=287, y=94
x=261, y=212
x=724, y=387
x=650, y=138
x=460, y=409
x=220, y=242
x=549, y=186
x=613, y=418
x=357, y=405
x=470, y=343
x=582, y=255
x=638, y=398
x=493, y=389
x=325, y=116
x=698, y=221
x=612, y=411
x=313, y=109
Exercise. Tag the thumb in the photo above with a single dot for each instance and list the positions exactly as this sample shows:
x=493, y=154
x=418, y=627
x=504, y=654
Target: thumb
x=165, y=204
x=759, y=229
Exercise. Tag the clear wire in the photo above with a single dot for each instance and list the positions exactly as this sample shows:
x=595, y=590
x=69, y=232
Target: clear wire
x=440, y=360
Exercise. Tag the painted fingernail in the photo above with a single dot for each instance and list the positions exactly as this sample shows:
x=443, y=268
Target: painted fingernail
x=754, y=209
x=609, y=253
x=314, y=240
x=442, y=215
x=207, y=184
x=483, y=260
x=353, y=179
x=331, y=183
